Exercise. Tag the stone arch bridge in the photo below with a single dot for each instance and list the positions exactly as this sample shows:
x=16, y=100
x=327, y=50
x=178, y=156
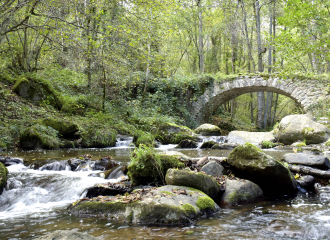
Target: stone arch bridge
x=306, y=93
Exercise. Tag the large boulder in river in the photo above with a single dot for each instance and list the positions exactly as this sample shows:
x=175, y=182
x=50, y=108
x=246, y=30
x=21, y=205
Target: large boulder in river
x=3, y=177
x=241, y=191
x=66, y=235
x=208, y=130
x=249, y=162
x=251, y=137
x=198, y=180
x=171, y=205
x=301, y=127
x=148, y=166
x=39, y=137
x=65, y=128
x=224, y=146
x=170, y=133
x=311, y=160
x=186, y=143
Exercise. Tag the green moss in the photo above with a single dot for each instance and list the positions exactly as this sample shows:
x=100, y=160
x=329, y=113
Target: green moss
x=301, y=144
x=168, y=193
x=267, y=144
x=170, y=133
x=236, y=197
x=147, y=165
x=130, y=217
x=62, y=126
x=145, y=139
x=205, y=203
x=245, y=151
x=39, y=136
x=189, y=209
x=208, y=144
x=307, y=130
x=327, y=143
x=19, y=82
x=98, y=138
x=3, y=177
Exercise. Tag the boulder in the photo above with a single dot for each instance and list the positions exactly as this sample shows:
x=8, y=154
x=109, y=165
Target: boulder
x=213, y=168
x=251, y=137
x=39, y=137
x=104, y=163
x=170, y=133
x=36, y=91
x=301, y=127
x=224, y=146
x=65, y=128
x=311, y=160
x=307, y=182
x=148, y=166
x=198, y=180
x=170, y=205
x=241, y=191
x=3, y=177
x=186, y=143
x=8, y=161
x=327, y=143
x=274, y=178
x=208, y=144
x=208, y=130
x=66, y=235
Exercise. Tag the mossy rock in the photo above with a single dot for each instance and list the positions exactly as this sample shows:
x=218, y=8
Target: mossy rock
x=146, y=139
x=301, y=127
x=37, y=91
x=39, y=137
x=327, y=143
x=207, y=145
x=147, y=166
x=208, y=130
x=274, y=178
x=3, y=177
x=241, y=192
x=167, y=205
x=170, y=133
x=197, y=180
x=98, y=138
x=267, y=144
x=186, y=143
x=65, y=128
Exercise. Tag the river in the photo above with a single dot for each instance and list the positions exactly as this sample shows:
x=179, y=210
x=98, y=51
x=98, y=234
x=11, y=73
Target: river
x=36, y=203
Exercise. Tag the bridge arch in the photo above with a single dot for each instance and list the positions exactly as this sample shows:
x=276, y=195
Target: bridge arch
x=304, y=93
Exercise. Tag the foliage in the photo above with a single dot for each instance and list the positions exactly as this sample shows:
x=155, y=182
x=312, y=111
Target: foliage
x=267, y=144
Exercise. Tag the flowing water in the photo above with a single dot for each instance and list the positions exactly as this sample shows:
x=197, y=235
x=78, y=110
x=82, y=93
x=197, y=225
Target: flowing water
x=35, y=202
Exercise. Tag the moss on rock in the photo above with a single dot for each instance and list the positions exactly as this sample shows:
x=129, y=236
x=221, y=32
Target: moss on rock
x=205, y=203
x=65, y=128
x=3, y=177
x=39, y=137
x=170, y=133
x=148, y=166
x=200, y=181
x=208, y=130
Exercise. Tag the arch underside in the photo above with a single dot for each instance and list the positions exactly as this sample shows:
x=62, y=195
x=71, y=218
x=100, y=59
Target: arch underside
x=213, y=103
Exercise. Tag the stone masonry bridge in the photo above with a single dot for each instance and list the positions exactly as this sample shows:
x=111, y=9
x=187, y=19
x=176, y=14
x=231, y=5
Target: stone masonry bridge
x=306, y=93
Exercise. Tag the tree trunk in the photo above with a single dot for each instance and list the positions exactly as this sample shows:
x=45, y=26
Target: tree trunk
x=260, y=108
x=148, y=56
x=266, y=110
x=271, y=41
x=258, y=23
x=275, y=107
x=200, y=41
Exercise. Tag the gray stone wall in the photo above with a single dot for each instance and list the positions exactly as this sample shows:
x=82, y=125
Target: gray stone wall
x=305, y=93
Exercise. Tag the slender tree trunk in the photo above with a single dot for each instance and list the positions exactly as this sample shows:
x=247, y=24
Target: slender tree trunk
x=251, y=107
x=258, y=25
x=275, y=107
x=271, y=41
x=148, y=56
x=200, y=40
x=266, y=110
x=260, y=108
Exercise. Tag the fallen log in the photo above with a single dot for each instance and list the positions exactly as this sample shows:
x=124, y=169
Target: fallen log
x=309, y=171
x=202, y=160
